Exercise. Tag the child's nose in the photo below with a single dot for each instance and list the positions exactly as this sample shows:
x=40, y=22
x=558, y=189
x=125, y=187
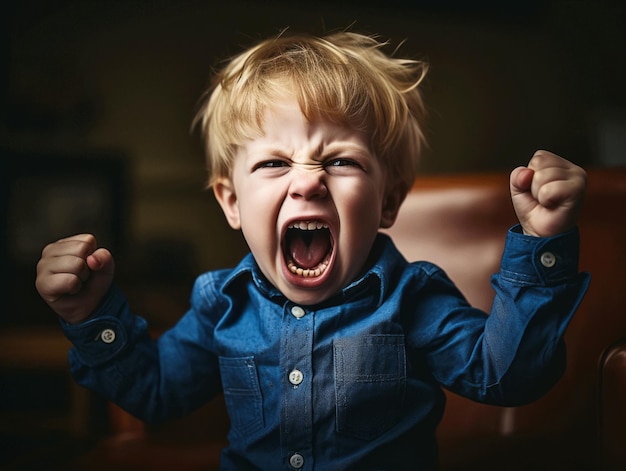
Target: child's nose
x=308, y=183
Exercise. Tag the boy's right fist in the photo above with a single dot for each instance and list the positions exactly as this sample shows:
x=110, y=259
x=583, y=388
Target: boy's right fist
x=73, y=275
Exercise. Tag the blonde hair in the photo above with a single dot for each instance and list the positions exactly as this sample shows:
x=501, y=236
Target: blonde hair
x=343, y=77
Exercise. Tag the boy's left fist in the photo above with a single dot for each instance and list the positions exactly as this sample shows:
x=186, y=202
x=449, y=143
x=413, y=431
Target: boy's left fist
x=548, y=194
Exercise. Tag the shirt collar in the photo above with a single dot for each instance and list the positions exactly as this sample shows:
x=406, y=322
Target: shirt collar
x=248, y=269
x=386, y=266
x=385, y=260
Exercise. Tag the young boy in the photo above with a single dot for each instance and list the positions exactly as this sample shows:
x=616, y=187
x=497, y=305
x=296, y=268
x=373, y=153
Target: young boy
x=330, y=348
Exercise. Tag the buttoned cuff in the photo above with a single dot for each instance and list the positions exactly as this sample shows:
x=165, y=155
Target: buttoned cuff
x=540, y=260
x=104, y=334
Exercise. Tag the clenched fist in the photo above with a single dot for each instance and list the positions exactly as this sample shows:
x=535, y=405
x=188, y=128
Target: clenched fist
x=548, y=194
x=73, y=276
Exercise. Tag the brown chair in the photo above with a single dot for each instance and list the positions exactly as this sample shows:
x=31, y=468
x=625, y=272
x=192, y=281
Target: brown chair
x=459, y=222
x=612, y=407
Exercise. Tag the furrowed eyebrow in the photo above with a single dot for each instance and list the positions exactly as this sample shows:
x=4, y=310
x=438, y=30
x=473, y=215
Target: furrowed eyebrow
x=342, y=148
x=276, y=152
x=321, y=153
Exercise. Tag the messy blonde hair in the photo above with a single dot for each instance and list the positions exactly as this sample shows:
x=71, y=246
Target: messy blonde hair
x=343, y=77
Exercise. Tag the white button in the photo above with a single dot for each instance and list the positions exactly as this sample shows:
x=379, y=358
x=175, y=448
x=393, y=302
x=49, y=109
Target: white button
x=296, y=461
x=548, y=259
x=297, y=312
x=108, y=336
x=296, y=377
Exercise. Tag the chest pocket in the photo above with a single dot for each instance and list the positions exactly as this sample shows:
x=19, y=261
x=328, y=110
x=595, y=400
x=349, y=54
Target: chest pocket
x=370, y=384
x=242, y=395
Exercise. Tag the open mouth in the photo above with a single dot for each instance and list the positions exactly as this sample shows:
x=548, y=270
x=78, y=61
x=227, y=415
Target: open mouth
x=308, y=246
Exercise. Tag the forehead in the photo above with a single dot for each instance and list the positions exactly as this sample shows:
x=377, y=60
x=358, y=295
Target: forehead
x=286, y=130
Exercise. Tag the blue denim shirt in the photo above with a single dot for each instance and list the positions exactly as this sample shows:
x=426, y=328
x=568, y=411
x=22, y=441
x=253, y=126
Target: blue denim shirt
x=351, y=383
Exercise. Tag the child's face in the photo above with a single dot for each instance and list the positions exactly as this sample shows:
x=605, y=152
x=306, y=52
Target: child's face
x=309, y=198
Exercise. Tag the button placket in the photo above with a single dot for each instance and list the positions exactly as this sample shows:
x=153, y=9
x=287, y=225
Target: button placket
x=296, y=407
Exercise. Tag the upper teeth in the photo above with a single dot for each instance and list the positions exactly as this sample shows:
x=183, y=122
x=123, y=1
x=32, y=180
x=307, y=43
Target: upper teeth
x=308, y=225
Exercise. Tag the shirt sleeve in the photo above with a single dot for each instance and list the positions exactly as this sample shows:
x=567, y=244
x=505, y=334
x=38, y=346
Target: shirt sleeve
x=516, y=353
x=106, y=333
x=114, y=354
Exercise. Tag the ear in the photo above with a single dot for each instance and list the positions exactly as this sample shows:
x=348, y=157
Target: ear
x=391, y=205
x=224, y=192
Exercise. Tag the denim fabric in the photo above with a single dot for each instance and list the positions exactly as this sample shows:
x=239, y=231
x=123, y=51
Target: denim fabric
x=353, y=382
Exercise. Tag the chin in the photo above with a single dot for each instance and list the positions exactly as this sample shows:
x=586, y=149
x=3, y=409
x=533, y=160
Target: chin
x=306, y=297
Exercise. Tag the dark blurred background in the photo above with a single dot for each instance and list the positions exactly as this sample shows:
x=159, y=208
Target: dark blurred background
x=119, y=81
x=96, y=101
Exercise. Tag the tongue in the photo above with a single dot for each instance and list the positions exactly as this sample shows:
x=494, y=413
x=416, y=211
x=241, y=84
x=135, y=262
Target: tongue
x=309, y=251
